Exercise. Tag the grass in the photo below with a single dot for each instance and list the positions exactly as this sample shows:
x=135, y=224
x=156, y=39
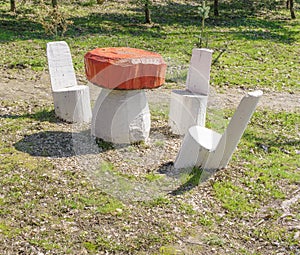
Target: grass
x=262, y=179
x=37, y=194
x=260, y=50
x=55, y=208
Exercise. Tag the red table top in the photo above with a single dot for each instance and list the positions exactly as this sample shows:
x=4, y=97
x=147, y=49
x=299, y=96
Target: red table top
x=124, y=68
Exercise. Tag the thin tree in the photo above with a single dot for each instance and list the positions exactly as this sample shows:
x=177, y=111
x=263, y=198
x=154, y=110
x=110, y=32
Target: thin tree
x=13, y=5
x=146, y=5
x=292, y=11
x=147, y=12
x=216, y=7
x=54, y=3
x=290, y=5
x=204, y=14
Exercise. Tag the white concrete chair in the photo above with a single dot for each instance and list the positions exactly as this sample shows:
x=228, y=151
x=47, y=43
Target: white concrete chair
x=209, y=150
x=71, y=101
x=188, y=107
x=198, y=77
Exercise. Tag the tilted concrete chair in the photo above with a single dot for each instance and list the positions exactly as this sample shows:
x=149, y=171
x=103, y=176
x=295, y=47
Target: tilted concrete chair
x=188, y=107
x=71, y=101
x=209, y=150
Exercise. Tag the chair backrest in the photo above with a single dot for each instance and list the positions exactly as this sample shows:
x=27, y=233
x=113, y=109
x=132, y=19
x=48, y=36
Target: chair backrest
x=60, y=65
x=199, y=71
x=237, y=126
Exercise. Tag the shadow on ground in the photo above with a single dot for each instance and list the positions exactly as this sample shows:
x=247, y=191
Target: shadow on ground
x=58, y=144
x=233, y=14
x=188, y=177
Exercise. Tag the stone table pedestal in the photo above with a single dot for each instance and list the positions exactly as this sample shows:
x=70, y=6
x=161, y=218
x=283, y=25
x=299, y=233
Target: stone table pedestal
x=121, y=113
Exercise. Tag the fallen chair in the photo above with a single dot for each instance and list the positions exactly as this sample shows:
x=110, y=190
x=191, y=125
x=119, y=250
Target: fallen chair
x=71, y=101
x=209, y=150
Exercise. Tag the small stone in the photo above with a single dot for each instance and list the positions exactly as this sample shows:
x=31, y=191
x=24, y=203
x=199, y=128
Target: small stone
x=119, y=210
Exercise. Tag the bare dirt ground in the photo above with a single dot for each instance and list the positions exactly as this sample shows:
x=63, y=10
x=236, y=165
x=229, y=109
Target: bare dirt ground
x=25, y=84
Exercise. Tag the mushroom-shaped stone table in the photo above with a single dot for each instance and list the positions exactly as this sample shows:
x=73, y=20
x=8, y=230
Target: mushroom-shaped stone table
x=121, y=112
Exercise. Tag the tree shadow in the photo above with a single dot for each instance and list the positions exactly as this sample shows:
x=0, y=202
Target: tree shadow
x=248, y=7
x=266, y=144
x=58, y=144
x=188, y=177
x=14, y=28
x=112, y=24
x=258, y=29
x=172, y=13
x=42, y=116
x=164, y=131
x=233, y=15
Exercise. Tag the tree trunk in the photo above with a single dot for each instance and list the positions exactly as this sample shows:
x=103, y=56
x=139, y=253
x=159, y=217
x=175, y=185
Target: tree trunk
x=216, y=7
x=287, y=4
x=147, y=14
x=293, y=16
x=54, y=3
x=12, y=5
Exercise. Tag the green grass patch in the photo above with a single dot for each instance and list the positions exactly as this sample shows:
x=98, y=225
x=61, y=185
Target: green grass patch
x=205, y=220
x=9, y=231
x=269, y=151
x=153, y=177
x=159, y=112
x=233, y=198
x=45, y=244
x=159, y=201
x=187, y=209
x=260, y=50
x=214, y=240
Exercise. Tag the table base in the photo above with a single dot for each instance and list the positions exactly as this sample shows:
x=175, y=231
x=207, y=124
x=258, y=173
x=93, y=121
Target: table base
x=121, y=116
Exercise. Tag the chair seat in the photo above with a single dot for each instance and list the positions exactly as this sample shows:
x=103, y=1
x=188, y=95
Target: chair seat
x=205, y=137
x=71, y=88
